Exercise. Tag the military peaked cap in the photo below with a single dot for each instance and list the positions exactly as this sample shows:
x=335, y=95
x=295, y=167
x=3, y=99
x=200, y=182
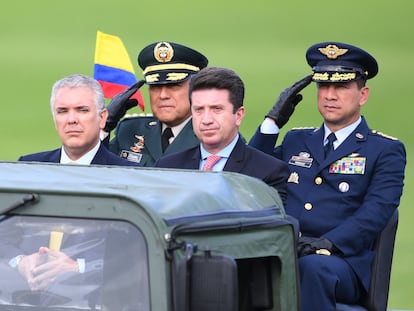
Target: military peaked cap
x=168, y=62
x=340, y=62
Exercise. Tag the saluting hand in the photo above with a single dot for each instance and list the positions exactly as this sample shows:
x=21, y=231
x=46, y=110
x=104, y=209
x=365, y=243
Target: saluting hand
x=287, y=101
x=120, y=104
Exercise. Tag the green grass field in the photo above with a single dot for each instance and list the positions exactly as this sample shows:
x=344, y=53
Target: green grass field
x=263, y=41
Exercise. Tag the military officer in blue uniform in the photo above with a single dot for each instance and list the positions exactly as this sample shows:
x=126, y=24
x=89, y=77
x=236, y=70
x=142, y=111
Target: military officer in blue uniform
x=167, y=67
x=343, y=187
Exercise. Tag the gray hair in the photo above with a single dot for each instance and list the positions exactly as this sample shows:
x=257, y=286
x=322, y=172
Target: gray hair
x=79, y=80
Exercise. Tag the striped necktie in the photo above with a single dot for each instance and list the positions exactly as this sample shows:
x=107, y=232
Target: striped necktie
x=210, y=162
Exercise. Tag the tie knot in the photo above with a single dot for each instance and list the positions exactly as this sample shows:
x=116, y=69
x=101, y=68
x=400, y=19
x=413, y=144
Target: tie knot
x=210, y=162
x=331, y=138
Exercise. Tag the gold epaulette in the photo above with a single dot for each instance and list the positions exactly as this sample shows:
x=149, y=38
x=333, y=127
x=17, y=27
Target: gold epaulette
x=383, y=135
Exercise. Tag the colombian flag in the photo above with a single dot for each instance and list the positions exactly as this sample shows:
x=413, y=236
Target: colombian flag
x=113, y=68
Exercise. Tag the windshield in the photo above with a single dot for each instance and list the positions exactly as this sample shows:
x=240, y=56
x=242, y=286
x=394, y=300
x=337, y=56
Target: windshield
x=70, y=263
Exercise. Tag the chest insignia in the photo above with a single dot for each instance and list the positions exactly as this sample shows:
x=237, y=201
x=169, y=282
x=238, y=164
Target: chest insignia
x=348, y=165
x=302, y=160
x=139, y=144
x=294, y=178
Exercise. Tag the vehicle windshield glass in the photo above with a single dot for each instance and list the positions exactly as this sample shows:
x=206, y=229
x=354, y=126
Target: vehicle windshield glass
x=69, y=263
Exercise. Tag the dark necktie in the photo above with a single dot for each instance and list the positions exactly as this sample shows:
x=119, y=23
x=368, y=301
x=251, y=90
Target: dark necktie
x=165, y=138
x=329, y=146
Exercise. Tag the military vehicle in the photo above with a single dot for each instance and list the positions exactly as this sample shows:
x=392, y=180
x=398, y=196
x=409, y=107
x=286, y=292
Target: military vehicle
x=142, y=239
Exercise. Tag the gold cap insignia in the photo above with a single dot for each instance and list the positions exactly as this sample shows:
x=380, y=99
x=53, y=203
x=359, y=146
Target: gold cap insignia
x=175, y=76
x=163, y=52
x=332, y=51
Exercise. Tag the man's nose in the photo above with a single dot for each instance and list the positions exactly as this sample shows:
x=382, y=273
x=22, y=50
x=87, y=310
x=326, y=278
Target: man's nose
x=164, y=92
x=72, y=117
x=330, y=92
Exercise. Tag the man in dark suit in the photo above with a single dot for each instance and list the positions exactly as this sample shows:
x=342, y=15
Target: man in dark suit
x=78, y=108
x=216, y=97
x=346, y=180
x=167, y=67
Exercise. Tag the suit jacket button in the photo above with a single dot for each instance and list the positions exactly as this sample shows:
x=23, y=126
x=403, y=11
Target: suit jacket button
x=318, y=180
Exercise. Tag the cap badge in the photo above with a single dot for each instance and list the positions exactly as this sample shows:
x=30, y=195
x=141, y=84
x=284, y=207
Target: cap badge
x=163, y=52
x=332, y=51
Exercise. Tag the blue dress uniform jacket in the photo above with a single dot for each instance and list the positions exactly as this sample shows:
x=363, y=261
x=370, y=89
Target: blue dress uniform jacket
x=102, y=157
x=347, y=198
x=243, y=159
x=139, y=139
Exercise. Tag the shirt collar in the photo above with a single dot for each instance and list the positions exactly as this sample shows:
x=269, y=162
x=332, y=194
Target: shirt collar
x=176, y=129
x=86, y=159
x=343, y=133
x=224, y=153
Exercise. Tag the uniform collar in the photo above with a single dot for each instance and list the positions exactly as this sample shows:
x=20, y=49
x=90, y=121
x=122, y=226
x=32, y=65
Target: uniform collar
x=341, y=134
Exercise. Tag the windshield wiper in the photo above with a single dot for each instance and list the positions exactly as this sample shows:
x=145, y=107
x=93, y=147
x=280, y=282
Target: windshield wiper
x=23, y=201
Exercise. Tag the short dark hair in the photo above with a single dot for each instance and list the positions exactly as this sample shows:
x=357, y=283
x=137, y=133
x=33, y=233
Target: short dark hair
x=222, y=79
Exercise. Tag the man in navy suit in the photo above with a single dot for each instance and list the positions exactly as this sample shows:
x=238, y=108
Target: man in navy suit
x=78, y=108
x=346, y=180
x=216, y=97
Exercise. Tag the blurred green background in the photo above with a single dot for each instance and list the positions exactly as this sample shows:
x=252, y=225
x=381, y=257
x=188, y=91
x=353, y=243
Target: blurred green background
x=263, y=41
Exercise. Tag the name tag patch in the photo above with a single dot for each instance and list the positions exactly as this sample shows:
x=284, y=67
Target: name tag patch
x=302, y=160
x=348, y=165
x=131, y=156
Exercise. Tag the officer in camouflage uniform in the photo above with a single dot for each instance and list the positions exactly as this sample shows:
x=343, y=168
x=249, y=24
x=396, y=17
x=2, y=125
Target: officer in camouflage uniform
x=345, y=180
x=167, y=67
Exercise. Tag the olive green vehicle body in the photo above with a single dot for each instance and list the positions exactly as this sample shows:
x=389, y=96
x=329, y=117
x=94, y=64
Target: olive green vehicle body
x=185, y=239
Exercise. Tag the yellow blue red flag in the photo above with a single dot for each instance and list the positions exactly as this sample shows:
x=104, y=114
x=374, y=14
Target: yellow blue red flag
x=113, y=68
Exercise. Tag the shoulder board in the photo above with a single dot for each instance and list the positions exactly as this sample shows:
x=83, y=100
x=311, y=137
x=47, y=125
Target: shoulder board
x=383, y=135
x=304, y=128
x=138, y=115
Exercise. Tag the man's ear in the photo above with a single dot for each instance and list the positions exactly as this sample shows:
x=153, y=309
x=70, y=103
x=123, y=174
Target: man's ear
x=364, y=95
x=103, y=114
x=240, y=114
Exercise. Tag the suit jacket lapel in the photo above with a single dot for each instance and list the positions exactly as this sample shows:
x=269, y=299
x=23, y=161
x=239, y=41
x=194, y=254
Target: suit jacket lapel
x=194, y=160
x=100, y=156
x=235, y=161
x=56, y=155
